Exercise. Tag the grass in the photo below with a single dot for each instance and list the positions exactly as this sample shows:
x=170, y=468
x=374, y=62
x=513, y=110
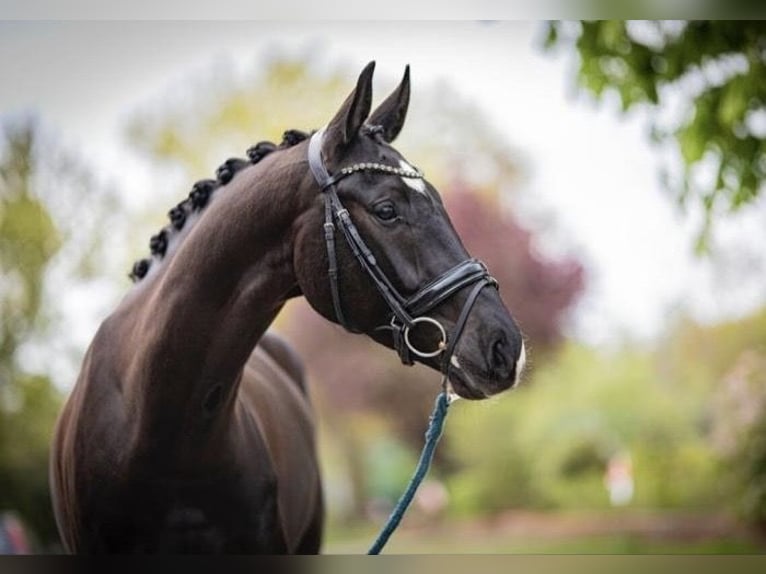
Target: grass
x=580, y=536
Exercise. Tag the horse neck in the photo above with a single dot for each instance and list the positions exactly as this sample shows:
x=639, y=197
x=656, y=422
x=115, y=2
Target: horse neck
x=195, y=320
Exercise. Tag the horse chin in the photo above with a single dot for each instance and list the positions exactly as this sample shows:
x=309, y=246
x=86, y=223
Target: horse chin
x=471, y=382
x=464, y=386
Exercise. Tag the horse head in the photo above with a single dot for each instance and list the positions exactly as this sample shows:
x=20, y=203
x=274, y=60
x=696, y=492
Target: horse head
x=389, y=263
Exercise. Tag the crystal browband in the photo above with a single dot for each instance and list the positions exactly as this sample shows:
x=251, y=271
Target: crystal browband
x=382, y=168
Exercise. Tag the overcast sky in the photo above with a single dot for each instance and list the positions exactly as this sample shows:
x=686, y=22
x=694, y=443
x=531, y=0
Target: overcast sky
x=587, y=169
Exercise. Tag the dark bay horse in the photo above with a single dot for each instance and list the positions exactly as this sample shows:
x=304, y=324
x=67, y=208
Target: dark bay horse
x=189, y=428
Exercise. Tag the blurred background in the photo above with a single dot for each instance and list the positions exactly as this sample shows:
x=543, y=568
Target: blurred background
x=609, y=173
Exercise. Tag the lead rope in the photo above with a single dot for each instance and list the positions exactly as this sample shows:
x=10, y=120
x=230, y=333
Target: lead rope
x=434, y=432
x=435, y=424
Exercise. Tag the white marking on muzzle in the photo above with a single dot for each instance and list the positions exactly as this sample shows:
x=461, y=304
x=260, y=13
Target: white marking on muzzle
x=520, y=364
x=451, y=394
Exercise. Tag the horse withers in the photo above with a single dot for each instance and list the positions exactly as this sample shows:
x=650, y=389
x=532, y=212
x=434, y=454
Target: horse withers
x=189, y=428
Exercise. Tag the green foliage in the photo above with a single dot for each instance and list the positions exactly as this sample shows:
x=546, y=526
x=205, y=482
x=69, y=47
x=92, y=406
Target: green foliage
x=28, y=403
x=723, y=367
x=739, y=432
x=691, y=414
x=48, y=243
x=389, y=465
x=547, y=445
x=750, y=464
x=716, y=68
x=28, y=239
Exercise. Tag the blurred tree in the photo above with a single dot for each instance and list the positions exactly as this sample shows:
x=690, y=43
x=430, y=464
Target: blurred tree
x=48, y=247
x=726, y=363
x=739, y=433
x=705, y=85
x=221, y=114
x=28, y=403
x=29, y=240
x=550, y=445
x=721, y=345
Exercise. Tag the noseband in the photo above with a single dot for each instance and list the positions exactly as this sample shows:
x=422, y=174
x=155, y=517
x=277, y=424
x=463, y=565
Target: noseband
x=406, y=312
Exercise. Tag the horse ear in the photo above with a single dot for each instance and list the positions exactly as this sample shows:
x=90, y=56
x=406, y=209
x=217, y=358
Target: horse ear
x=351, y=115
x=392, y=112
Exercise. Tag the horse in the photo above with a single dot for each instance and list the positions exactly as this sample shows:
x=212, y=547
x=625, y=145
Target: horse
x=189, y=428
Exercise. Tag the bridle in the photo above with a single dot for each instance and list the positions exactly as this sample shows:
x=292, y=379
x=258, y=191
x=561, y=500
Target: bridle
x=406, y=312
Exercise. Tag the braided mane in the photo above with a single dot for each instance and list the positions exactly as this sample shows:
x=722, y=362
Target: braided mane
x=199, y=196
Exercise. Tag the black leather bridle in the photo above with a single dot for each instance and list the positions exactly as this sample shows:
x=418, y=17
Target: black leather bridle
x=406, y=312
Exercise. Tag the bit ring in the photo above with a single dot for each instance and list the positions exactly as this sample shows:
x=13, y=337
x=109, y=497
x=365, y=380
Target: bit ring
x=426, y=354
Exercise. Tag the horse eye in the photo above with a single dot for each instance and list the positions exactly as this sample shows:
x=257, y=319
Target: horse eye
x=385, y=211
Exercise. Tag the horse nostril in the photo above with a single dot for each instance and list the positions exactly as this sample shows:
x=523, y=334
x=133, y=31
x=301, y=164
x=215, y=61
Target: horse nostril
x=502, y=363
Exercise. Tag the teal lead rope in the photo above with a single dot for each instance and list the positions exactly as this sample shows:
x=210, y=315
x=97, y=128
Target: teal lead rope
x=433, y=434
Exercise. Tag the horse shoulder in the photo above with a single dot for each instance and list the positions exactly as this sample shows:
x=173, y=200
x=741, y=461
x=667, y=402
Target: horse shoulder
x=85, y=452
x=285, y=356
x=273, y=393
